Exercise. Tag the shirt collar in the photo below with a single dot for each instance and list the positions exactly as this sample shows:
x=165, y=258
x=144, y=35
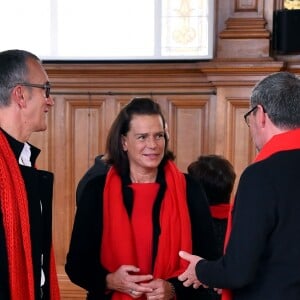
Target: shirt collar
x=18, y=146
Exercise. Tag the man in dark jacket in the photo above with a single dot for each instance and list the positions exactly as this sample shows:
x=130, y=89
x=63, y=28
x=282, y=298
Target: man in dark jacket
x=26, y=254
x=262, y=258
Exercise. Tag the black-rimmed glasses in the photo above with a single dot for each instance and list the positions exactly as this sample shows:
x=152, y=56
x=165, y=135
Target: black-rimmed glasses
x=46, y=87
x=247, y=114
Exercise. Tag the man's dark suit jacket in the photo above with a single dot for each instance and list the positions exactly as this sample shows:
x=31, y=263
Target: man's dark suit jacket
x=262, y=259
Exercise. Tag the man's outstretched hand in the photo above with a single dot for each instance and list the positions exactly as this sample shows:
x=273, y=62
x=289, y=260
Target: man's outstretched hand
x=189, y=276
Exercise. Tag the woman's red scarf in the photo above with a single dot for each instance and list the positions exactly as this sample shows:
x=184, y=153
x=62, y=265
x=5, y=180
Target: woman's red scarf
x=14, y=209
x=289, y=140
x=118, y=243
x=220, y=211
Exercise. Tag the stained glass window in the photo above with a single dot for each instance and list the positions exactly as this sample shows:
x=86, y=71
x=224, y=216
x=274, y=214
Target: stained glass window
x=186, y=28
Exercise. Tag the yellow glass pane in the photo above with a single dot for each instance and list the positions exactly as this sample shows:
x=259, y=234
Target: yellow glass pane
x=184, y=28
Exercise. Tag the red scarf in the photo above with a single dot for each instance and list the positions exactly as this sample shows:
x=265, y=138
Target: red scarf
x=118, y=246
x=289, y=140
x=220, y=211
x=14, y=208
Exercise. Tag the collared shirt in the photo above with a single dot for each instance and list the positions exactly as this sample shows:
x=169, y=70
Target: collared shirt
x=24, y=159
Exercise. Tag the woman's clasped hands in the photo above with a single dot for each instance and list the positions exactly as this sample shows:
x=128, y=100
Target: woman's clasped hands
x=125, y=280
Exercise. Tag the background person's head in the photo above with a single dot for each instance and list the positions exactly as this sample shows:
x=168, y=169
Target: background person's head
x=275, y=101
x=126, y=131
x=217, y=176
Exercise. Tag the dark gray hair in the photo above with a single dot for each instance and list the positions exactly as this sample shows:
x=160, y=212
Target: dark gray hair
x=13, y=69
x=279, y=94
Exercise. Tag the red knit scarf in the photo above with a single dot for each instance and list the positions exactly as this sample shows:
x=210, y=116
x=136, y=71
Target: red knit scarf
x=118, y=246
x=14, y=209
x=289, y=140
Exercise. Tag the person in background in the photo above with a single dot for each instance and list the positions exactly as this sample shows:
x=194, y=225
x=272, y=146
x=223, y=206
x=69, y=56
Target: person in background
x=217, y=176
x=262, y=258
x=26, y=254
x=131, y=222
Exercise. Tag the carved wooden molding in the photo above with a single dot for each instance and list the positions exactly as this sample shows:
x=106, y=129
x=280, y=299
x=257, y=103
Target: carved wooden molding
x=245, y=28
x=242, y=68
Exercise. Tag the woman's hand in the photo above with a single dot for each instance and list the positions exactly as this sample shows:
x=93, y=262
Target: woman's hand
x=122, y=280
x=161, y=289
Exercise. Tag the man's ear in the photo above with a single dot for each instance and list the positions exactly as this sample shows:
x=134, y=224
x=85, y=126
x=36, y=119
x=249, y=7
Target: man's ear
x=18, y=96
x=261, y=116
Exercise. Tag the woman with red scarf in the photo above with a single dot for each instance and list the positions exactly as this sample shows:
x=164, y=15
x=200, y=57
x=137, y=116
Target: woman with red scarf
x=131, y=222
x=261, y=259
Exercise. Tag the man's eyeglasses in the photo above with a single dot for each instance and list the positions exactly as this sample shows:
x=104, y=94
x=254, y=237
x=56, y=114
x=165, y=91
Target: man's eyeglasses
x=46, y=87
x=246, y=115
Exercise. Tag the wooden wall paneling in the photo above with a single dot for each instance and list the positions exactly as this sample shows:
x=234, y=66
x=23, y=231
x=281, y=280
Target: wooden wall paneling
x=87, y=128
x=240, y=148
x=221, y=122
x=83, y=120
x=121, y=101
x=61, y=223
x=245, y=35
x=232, y=135
x=232, y=9
x=269, y=7
x=111, y=109
x=189, y=119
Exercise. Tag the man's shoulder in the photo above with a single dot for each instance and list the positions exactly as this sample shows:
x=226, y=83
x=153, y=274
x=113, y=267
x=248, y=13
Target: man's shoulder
x=278, y=158
x=271, y=168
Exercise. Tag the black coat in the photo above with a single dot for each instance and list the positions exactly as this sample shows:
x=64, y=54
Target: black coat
x=39, y=187
x=262, y=259
x=99, y=167
x=83, y=260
